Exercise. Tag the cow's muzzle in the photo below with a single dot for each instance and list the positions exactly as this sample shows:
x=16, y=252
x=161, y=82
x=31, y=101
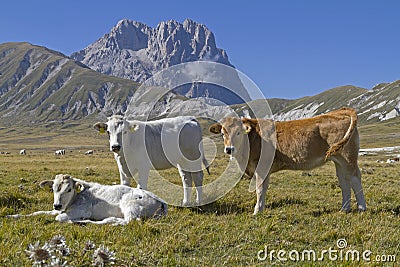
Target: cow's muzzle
x=115, y=148
x=229, y=150
x=57, y=206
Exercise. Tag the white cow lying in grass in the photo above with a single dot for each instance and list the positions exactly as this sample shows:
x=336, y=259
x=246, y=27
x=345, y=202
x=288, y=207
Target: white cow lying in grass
x=78, y=201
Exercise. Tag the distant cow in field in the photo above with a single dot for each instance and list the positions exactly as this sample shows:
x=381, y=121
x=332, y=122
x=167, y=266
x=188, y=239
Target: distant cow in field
x=159, y=145
x=22, y=152
x=393, y=160
x=300, y=145
x=59, y=152
x=78, y=201
x=89, y=152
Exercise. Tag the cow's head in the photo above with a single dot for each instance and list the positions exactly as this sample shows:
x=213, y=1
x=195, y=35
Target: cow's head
x=64, y=189
x=234, y=132
x=116, y=127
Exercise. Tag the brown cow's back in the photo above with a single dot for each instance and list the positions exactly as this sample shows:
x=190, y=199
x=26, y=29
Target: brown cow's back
x=308, y=143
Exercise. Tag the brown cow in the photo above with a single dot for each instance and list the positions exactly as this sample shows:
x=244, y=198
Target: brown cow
x=300, y=145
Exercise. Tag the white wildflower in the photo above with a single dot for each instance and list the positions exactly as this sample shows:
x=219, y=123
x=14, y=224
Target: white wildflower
x=103, y=256
x=89, y=245
x=38, y=254
x=58, y=244
x=56, y=262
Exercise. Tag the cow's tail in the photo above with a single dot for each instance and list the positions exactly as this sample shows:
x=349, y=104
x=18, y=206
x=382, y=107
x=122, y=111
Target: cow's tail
x=334, y=148
x=205, y=162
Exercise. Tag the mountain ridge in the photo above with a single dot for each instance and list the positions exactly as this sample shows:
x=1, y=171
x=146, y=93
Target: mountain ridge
x=41, y=85
x=374, y=105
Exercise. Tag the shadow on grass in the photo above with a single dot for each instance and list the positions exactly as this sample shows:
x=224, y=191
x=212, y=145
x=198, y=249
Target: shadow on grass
x=284, y=202
x=393, y=210
x=396, y=211
x=220, y=209
x=14, y=200
x=322, y=211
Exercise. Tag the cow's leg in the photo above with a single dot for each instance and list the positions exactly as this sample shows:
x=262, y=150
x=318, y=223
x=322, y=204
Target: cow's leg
x=109, y=220
x=125, y=179
x=41, y=212
x=75, y=212
x=355, y=181
x=187, y=185
x=124, y=173
x=261, y=190
x=143, y=178
x=344, y=183
x=63, y=217
x=198, y=183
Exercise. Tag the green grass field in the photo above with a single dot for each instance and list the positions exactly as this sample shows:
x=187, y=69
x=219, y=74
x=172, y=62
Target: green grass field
x=302, y=211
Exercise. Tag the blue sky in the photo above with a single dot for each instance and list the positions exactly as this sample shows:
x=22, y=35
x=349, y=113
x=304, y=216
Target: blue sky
x=289, y=49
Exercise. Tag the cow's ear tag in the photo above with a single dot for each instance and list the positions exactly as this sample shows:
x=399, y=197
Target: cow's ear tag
x=134, y=128
x=247, y=129
x=79, y=187
x=102, y=130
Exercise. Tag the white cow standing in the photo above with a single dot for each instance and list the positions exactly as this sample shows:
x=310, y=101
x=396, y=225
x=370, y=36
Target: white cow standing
x=77, y=201
x=159, y=145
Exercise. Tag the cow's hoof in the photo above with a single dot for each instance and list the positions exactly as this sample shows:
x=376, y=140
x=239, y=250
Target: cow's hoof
x=361, y=209
x=256, y=212
x=347, y=210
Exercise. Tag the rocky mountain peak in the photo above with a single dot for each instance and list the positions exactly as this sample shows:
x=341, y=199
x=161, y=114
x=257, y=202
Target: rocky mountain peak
x=129, y=34
x=135, y=51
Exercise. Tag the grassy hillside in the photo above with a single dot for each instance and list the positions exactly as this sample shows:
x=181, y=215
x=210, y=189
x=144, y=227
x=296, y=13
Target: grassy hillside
x=332, y=99
x=381, y=134
x=41, y=85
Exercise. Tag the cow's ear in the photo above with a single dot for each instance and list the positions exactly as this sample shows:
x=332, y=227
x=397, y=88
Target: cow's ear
x=247, y=125
x=79, y=187
x=101, y=127
x=247, y=128
x=215, y=128
x=46, y=183
x=134, y=127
